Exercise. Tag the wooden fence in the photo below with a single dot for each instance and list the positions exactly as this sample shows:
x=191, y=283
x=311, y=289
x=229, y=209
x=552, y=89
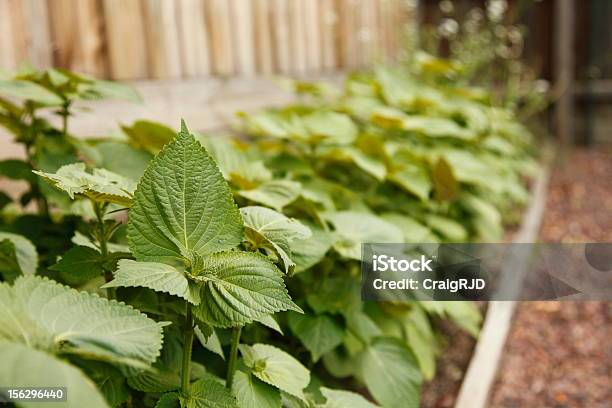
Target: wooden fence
x=139, y=39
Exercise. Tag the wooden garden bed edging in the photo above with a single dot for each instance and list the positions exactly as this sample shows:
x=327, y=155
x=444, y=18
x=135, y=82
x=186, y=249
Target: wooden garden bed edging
x=481, y=372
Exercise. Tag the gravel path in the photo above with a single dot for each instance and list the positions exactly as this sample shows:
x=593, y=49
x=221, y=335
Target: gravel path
x=559, y=354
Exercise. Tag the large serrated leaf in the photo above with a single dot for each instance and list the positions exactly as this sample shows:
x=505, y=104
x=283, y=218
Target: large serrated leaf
x=182, y=206
x=46, y=315
x=157, y=276
x=391, y=373
x=254, y=393
x=319, y=334
x=100, y=185
x=239, y=287
x=208, y=393
x=269, y=229
x=276, y=367
x=25, y=367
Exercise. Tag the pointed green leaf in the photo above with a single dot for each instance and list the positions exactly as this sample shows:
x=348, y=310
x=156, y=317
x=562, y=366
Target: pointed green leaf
x=275, y=193
x=157, y=276
x=354, y=228
x=182, y=206
x=49, y=316
x=276, y=367
x=270, y=323
x=79, y=265
x=344, y=399
x=211, y=342
x=391, y=373
x=319, y=334
x=208, y=393
x=25, y=367
x=239, y=287
x=254, y=393
x=266, y=228
x=22, y=250
x=100, y=185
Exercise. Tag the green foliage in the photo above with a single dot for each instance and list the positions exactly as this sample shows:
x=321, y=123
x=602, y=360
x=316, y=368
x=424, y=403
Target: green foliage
x=249, y=245
x=276, y=368
x=17, y=256
x=182, y=206
x=91, y=326
x=239, y=287
x=100, y=185
x=391, y=374
x=23, y=366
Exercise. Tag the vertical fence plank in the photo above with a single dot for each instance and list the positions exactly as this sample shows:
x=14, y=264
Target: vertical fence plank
x=312, y=35
x=297, y=37
x=264, y=55
x=126, y=39
x=7, y=51
x=218, y=17
x=77, y=36
x=281, y=35
x=162, y=38
x=328, y=20
x=193, y=38
x=37, y=31
x=243, y=44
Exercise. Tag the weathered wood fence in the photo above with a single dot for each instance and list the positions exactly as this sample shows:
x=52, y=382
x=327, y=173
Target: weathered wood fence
x=139, y=39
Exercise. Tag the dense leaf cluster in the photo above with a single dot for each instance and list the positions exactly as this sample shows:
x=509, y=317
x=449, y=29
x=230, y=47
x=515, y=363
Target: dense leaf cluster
x=249, y=244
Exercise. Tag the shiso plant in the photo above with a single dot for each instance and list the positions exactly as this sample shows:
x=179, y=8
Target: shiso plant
x=207, y=271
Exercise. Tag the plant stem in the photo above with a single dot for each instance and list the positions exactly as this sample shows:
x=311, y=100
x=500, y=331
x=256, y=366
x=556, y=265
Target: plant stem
x=102, y=241
x=187, y=347
x=65, y=113
x=231, y=365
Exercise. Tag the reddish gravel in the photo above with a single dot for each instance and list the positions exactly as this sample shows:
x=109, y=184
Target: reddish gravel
x=559, y=354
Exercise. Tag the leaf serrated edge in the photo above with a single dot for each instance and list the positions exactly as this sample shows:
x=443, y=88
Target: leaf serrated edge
x=184, y=131
x=159, y=325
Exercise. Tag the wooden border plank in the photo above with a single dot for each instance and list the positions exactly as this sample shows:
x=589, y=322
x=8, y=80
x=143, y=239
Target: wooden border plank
x=481, y=372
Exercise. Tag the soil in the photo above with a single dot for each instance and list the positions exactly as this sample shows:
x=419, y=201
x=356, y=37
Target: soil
x=559, y=354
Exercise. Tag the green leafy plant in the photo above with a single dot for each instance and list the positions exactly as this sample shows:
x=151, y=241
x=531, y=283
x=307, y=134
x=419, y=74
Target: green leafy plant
x=245, y=250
